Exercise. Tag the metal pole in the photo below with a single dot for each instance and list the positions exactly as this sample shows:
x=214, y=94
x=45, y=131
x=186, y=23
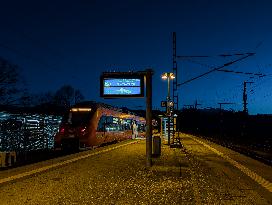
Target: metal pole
x=149, y=73
x=168, y=93
x=168, y=130
x=168, y=108
x=161, y=127
x=245, y=98
x=175, y=71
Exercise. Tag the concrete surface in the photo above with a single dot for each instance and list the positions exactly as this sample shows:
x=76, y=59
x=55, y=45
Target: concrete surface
x=117, y=175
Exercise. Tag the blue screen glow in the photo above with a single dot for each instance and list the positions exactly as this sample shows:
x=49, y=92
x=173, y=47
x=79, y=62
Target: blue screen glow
x=122, y=82
x=116, y=86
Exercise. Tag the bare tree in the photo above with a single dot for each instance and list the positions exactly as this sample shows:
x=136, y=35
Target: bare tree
x=66, y=96
x=78, y=96
x=43, y=98
x=26, y=99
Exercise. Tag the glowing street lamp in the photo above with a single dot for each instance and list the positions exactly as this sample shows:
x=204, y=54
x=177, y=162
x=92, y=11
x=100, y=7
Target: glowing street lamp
x=168, y=76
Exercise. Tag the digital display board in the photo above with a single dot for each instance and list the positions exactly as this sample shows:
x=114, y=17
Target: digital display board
x=122, y=85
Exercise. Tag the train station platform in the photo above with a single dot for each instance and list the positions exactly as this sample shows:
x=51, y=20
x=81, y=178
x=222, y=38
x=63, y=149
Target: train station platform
x=199, y=173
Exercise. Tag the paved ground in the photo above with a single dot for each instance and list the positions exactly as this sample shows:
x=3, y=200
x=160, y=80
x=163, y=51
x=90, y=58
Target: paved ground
x=195, y=174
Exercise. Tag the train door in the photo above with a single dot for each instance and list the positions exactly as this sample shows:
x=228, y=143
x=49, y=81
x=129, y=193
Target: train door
x=101, y=132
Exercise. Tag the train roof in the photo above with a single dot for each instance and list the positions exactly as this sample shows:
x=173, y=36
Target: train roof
x=95, y=105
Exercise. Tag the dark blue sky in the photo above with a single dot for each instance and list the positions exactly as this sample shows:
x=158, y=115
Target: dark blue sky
x=73, y=42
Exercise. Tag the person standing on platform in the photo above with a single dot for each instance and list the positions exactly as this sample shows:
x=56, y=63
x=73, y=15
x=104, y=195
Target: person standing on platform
x=134, y=130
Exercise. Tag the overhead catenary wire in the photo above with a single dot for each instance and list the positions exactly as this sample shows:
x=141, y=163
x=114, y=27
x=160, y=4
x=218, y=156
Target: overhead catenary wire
x=251, y=75
x=220, y=55
x=228, y=71
x=216, y=69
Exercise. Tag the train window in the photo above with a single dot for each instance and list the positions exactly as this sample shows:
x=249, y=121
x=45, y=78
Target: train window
x=79, y=118
x=101, y=124
x=111, y=123
x=111, y=127
x=141, y=128
x=126, y=124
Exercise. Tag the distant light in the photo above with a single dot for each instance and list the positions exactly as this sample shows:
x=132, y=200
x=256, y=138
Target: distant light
x=170, y=104
x=33, y=122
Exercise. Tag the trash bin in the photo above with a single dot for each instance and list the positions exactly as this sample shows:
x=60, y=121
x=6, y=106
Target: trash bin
x=156, y=146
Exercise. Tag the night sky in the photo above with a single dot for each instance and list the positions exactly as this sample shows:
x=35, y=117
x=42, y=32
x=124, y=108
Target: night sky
x=73, y=42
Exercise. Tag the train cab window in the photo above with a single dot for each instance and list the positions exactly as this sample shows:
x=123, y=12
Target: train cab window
x=78, y=118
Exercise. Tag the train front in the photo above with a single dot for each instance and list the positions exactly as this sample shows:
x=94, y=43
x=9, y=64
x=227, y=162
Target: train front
x=74, y=130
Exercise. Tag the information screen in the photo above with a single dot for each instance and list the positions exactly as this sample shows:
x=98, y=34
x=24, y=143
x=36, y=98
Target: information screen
x=122, y=86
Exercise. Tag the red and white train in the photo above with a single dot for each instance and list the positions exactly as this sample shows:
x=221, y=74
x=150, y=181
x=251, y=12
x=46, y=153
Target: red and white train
x=91, y=124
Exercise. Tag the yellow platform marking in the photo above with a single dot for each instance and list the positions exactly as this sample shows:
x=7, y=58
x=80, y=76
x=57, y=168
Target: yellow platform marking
x=260, y=180
x=45, y=168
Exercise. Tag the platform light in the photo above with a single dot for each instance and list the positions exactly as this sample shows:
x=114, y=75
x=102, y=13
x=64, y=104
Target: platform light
x=172, y=76
x=168, y=76
x=165, y=76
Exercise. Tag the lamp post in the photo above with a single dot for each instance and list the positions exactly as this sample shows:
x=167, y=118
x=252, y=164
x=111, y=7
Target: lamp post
x=168, y=76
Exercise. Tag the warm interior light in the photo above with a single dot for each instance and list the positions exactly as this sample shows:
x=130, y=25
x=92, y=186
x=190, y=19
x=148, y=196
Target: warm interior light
x=124, y=116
